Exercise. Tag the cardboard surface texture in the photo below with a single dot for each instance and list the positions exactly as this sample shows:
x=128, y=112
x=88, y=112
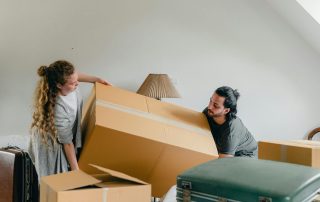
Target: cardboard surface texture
x=142, y=137
x=111, y=186
x=304, y=152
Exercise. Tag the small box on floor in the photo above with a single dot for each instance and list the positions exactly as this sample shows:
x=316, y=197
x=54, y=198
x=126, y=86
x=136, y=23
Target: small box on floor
x=304, y=152
x=111, y=186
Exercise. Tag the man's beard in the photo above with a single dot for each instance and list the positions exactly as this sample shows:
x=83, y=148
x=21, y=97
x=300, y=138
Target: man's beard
x=213, y=115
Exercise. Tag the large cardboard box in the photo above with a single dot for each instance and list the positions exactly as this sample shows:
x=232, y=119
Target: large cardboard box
x=111, y=186
x=303, y=152
x=145, y=138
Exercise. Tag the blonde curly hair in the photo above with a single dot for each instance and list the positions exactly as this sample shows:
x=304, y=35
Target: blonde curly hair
x=45, y=96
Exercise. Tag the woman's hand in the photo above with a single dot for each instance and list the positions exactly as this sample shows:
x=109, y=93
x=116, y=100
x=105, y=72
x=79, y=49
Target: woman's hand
x=88, y=78
x=100, y=80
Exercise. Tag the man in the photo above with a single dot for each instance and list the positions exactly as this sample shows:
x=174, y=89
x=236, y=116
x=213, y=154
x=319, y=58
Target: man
x=231, y=136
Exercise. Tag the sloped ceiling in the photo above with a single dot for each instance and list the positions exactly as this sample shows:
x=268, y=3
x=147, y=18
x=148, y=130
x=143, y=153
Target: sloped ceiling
x=300, y=20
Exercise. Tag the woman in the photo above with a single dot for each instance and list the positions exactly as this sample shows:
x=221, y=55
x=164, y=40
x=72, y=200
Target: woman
x=55, y=128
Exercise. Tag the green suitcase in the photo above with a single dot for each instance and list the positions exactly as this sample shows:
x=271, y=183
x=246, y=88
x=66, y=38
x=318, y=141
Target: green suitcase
x=248, y=179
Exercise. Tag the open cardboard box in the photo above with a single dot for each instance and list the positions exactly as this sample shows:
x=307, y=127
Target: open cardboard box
x=142, y=137
x=110, y=186
x=304, y=152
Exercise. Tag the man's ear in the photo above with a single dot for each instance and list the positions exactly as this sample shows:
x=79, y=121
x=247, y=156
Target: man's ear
x=226, y=110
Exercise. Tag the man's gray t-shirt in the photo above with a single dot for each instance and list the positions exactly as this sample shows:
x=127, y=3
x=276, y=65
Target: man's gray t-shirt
x=232, y=137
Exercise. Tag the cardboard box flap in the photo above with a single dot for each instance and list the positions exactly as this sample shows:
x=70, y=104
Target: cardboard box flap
x=69, y=180
x=118, y=174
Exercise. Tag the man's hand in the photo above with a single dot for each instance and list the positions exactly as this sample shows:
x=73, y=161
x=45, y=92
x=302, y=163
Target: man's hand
x=225, y=155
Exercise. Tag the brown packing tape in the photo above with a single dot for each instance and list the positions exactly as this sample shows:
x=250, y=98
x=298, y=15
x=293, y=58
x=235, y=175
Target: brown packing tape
x=293, y=153
x=316, y=159
x=283, y=153
x=104, y=194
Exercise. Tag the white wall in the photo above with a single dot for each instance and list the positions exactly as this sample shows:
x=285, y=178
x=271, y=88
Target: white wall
x=300, y=19
x=201, y=44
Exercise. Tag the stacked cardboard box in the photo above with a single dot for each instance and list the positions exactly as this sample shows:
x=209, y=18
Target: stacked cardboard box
x=142, y=137
x=302, y=152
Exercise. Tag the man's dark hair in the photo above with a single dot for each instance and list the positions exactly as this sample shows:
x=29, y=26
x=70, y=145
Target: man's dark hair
x=231, y=96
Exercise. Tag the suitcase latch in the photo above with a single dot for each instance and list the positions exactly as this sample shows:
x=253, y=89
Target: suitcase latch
x=222, y=199
x=264, y=199
x=186, y=186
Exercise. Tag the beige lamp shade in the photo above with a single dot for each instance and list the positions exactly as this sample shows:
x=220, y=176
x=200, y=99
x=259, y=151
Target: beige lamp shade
x=158, y=86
